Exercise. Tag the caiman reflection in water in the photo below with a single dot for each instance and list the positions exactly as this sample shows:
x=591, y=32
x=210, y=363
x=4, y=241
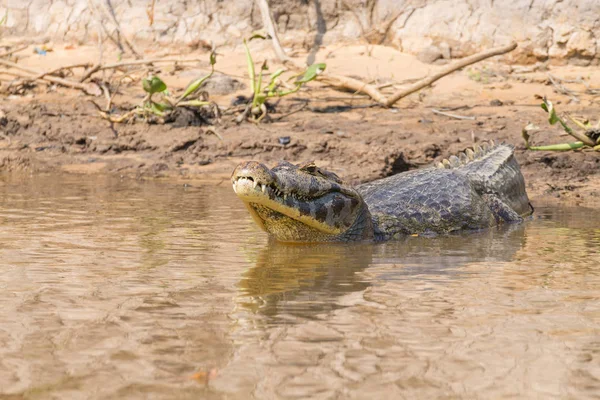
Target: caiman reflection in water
x=306, y=280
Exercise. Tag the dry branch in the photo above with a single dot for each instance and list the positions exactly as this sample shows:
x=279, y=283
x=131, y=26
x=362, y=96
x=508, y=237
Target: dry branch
x=450, y=115
x=463, y=62
x=57, y=70
x=369, y=89
x=270, y=28
x=9, y=52
x=87, y=88
x=98, y=67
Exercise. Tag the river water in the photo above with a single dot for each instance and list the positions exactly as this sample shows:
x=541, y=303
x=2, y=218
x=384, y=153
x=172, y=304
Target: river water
x=116, y=288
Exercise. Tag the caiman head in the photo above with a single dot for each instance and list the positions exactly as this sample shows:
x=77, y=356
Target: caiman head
x=302, y=203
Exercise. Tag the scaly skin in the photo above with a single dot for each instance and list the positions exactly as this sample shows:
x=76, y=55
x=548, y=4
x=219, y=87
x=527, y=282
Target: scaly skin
x=303, y=203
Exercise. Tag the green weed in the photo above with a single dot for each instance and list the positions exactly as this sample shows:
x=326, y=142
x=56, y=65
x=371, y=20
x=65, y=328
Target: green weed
x=589, y=138
x=257, y=109
x=154, y=85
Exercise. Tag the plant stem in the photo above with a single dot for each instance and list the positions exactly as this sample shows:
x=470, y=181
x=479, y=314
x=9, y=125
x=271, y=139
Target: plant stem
x=558, y=147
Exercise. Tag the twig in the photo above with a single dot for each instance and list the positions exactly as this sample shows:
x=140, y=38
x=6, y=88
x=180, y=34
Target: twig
x=463, y=62
x=302, y=107
x=150, y=12
x=110, y=11
x=270, y=28
x=55, y=71
x=355, y=85
x=97, y=68
x=562, y=89
x=87, y=88
x=455, y=116
x=107, y=96
x=282, y=146
x=102, y=27
x=91, y=71
x=9, y=52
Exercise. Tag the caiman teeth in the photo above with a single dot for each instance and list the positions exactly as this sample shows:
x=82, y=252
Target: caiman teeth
x=269, y=189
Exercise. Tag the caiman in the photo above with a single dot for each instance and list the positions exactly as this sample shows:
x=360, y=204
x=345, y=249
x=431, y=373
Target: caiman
x=476, y=189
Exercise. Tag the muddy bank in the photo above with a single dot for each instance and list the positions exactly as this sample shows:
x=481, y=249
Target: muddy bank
x=359, y=144
x=56, y=129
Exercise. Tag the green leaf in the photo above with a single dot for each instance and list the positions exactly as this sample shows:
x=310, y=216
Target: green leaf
x=251, y=73
x=525, y=132
x=194, y=103
x=158, y=108
x=163, y=106
x=4, y=18
x=258, y=86
x=195, y=85
x=257, y=36
x=153, y=85
x=549, y=108
x=273, y=81
x=311, y=73
x=259, y=99
x=192, y=87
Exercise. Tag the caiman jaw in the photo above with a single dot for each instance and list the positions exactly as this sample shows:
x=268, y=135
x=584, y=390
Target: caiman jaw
x=301, y=203
x=256, y=185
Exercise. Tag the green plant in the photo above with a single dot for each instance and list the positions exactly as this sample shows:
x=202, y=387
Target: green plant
x=590, y=137
x=154, y=85
x=257, y=108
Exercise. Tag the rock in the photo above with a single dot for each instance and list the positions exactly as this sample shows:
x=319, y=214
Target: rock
x=582, y=43
x=429, y=54
x=221, y=84
x=445, y=50
x=553, y=28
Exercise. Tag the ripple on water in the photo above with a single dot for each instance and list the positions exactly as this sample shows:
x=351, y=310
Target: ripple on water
x=117, y=288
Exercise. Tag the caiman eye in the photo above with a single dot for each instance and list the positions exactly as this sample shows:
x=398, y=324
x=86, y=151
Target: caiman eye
x=311, y=168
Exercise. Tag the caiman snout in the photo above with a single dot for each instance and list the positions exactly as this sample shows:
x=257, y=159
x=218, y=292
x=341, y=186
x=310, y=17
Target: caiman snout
x=251, y=175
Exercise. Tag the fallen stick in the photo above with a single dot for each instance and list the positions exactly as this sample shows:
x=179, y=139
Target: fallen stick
x=562, y=88
x=355, y=85
x=371, y=90
x=55, y=71
x=9, y=52
x=87, y=88
x=375, y=94
x=98, y=67
x=455, y=116
x=463, y=62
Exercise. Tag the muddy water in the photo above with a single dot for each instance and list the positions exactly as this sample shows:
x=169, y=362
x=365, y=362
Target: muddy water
x=124, y=289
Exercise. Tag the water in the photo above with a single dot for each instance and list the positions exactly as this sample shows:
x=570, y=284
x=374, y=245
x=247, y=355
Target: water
x=123, y=289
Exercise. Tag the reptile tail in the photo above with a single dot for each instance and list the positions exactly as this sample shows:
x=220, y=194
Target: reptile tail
x=493, y=170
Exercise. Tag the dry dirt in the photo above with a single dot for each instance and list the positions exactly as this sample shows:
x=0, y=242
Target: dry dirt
x=57, y=129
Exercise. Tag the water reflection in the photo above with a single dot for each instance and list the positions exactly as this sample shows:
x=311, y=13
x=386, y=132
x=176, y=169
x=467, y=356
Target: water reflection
x=307, y=280
x=303, y=280
x=123, y=289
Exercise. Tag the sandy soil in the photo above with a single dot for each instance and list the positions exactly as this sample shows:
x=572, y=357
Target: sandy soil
x=57, y=129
